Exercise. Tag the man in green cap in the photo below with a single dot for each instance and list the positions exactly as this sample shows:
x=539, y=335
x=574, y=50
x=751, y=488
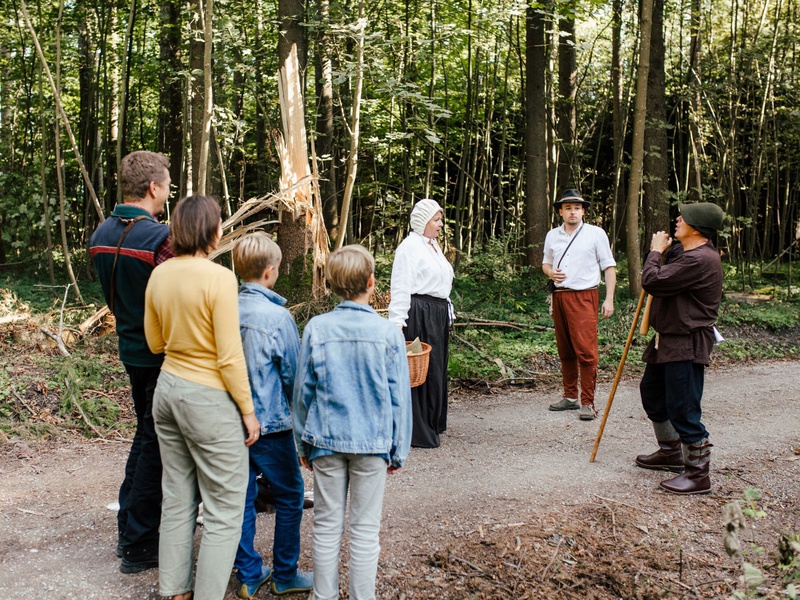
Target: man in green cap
x=686, y=286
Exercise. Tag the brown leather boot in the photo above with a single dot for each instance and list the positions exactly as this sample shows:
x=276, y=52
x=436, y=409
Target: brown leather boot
x=668, y=457
x=695, y=479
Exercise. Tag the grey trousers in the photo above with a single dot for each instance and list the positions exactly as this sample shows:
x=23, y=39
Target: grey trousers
x=201, y=436
x=365, y=476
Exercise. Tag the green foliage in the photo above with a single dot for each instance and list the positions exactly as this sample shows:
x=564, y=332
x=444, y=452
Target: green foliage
x=82, y=381
x=787, y=554
x=773, y=315
x=491, y=286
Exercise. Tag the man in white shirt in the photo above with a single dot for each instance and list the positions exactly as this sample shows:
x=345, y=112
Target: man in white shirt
x=574, y=255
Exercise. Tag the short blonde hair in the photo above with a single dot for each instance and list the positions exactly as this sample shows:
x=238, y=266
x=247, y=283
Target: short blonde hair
x=348, y=270
x=255, y=252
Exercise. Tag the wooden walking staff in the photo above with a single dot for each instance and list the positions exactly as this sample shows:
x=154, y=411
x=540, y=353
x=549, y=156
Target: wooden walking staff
x=619, y=373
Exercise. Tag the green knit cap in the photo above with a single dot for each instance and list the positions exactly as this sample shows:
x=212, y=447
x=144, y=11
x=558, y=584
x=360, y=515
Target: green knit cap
x=703, y=216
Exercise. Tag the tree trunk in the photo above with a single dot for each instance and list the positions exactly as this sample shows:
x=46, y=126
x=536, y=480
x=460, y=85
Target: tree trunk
x=291, y=14
x=294, y=235
x=196, y=97
x=325, y=129
x=208, y=98
x=87, y=127
x=355, y=127
x=637, y=152
x=655, y=198
x=568, y=171
x=694, y=183
x=618, y=208
x=43, y=175
x=59, y=165
x=124, y=95
x=536, y=194
x=170, y=119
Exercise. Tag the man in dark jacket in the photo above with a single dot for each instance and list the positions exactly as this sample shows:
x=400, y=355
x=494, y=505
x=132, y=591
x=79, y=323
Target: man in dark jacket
x=125, y=249
x=687, y=289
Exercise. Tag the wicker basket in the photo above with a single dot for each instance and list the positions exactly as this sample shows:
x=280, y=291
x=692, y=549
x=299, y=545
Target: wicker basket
x=418, y=364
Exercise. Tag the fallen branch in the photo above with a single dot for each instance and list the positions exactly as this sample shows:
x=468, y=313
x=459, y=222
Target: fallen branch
x=486, y=323
x=7, y=320
x=466, y=562
x=83, y=415
x=552, y=559
x=21, y=401
x=57, y=339
x=87, y=421
x=96, y=319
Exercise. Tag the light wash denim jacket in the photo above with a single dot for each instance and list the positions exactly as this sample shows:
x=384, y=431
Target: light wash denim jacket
x=271, y=345
x=352, y=394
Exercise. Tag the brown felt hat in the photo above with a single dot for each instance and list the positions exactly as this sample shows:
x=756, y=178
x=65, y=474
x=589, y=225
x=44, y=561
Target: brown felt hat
x=704, y=216
x=572, y=196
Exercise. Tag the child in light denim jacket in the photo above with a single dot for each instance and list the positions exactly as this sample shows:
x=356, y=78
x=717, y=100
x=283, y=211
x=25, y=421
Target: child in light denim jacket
x=352, y=421
x=271, y=344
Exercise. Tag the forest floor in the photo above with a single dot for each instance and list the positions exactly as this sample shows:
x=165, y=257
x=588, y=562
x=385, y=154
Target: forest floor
x=509, y=506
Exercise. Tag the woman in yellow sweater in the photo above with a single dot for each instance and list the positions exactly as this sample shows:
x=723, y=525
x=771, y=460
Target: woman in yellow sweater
x=200, y=403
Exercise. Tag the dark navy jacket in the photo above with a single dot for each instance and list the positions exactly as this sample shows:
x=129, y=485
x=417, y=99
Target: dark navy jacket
x=135, y=264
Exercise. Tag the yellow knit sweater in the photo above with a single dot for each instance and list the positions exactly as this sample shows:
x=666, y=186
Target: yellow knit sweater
x=192, y=315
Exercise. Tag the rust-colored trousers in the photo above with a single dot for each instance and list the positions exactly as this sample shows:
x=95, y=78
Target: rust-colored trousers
x=575, y=320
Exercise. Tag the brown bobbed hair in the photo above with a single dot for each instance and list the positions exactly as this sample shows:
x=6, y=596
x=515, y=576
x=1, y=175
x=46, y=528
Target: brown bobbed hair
x=194, y=225
x=138, y=169
x=253, y=253
x=348, y=270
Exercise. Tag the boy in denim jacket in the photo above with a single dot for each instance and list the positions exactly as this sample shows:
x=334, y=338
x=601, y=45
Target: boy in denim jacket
x=352, y=421
x=271, y=344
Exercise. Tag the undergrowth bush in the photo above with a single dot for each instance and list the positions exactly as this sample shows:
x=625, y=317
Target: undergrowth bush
x=503, y=332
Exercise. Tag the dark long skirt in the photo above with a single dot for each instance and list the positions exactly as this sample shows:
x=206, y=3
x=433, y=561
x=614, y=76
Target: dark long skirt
x=428, y=319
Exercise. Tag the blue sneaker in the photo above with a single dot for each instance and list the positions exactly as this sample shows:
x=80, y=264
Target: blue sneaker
x=302, y=582
x=248, y=590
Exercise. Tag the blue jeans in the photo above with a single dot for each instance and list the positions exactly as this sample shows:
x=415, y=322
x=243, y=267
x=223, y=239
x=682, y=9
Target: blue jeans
x=275, y=457
x=139, y=513
x=673, y=392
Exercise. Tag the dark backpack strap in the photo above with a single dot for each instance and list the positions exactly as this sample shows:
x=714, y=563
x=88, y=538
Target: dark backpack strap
x=113, y=285
x=574, y=237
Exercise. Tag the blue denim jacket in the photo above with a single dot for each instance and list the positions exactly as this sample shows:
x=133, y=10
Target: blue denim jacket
x=352, y=394
x=271, y=344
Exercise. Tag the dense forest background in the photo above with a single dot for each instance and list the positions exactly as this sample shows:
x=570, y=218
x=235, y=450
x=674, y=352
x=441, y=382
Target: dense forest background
x=490, y=107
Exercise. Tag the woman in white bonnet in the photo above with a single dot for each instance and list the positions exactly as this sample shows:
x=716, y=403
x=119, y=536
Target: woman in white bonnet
x=421, y=282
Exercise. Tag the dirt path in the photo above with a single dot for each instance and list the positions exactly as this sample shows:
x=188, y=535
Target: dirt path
x=504, y=462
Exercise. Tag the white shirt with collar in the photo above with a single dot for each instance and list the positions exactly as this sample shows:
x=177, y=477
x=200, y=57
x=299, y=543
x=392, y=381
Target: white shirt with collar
x=419, y=267
x=588, y=255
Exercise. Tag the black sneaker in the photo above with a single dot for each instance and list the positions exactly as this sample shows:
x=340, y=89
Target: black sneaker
x=129, y=567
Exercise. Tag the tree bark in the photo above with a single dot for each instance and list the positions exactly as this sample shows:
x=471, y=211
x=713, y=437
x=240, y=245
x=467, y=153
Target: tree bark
x=294, y=234
x=325, y=125
x=59, y=165
x=170, y=119
x=208, y=98
x=124, y=93
x=355, y=128
x=655, y=198
x=536, y=192
x=637, y=152
x=197, y=100
x=618, y=209
x=568, y=172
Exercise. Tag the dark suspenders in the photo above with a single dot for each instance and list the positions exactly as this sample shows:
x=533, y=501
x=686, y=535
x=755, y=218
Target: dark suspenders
x=113, y=286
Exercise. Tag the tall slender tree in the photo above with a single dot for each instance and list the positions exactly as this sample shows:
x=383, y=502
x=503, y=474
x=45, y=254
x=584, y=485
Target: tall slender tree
x=536, y=192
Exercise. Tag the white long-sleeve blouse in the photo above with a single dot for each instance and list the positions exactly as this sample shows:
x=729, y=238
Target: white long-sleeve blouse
x=419, y=267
